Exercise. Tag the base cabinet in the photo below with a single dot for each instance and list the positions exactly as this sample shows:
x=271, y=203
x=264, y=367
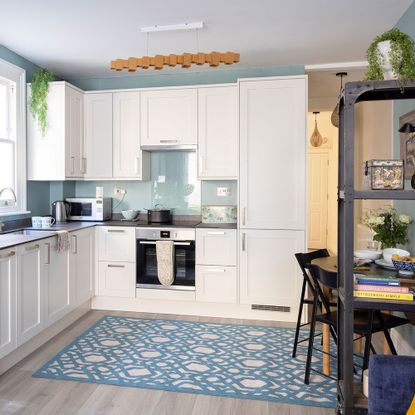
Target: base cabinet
x=29, y=292
x=8, y=296
x=216, y=284
x=269, y=274
x=81, y=266
x=116, y=279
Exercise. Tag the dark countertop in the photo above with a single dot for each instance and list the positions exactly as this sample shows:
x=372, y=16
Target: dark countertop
x=8, y=240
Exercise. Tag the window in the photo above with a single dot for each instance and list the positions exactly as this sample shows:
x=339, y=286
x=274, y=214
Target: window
x=12, y=139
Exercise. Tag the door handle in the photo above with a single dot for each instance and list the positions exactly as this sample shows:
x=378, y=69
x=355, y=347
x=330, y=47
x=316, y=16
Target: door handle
x=169, y=141
x=244, y=216
x=174, y=243
x=84, y=165
x=8, y=255
x=72, y=164
x=116, y=230
x=32, y=248
x=244, y=242
x=216, y=233
x=48, y=254
x=115, y=266
x=216, y=270
x=75, y=244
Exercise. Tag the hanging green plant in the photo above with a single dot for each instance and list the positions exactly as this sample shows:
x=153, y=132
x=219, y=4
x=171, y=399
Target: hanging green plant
x=38, y=101
x=401, y=57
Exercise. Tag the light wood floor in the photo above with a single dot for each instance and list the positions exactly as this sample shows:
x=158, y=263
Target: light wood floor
x=22, y=394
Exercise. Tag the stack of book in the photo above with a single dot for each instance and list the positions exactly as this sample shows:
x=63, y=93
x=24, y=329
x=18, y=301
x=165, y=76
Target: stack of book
x=385, y=288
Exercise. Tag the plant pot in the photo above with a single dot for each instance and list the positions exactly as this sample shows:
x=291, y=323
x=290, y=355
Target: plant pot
x=384, y=49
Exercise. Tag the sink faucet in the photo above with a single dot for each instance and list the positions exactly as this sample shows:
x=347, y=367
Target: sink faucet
x=7, y=203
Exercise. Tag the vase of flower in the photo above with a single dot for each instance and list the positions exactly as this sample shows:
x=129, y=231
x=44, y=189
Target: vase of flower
x=389, y=227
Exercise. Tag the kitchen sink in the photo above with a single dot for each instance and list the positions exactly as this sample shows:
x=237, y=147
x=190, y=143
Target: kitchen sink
x=28, y=232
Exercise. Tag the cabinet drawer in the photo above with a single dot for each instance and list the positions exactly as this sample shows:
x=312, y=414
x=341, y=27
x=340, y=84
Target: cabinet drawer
x=116, y=279
x=216, y=246
x=216, y=284
x=116, y=243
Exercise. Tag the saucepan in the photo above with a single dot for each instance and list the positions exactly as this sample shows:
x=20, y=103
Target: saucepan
x=158, y=215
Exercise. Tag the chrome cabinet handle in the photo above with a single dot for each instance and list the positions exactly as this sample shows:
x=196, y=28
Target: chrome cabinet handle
x=244, y=216
x=8, y=255
x=174, y=243
x=216, y=270
x=115, y=266
x=115, y=230
x=216, y=233
x=169, y=141
x=32, y=248
x=75, y=244
x=72, y=164
x=244, y=242
x=48, y=256
x=84, y=165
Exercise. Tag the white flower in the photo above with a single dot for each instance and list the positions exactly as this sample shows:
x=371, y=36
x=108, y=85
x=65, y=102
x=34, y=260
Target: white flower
x=406, y=219
x=376, y=220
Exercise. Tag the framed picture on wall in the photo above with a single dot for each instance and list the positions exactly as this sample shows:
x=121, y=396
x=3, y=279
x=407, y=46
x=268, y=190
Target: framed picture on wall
x=408, y=145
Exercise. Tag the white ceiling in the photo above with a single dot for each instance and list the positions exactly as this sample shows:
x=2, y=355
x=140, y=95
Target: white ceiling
x=78, y=38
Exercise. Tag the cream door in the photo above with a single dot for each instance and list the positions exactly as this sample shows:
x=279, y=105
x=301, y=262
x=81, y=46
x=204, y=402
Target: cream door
x=318, y=165
x=117, y=279
x=116, y=243
x=216, y=246
x=98, y=135
x=269, y=272
x=8, y=276
x=218, y=148
x=273, y=153
x=169, y=117
x=216, y=284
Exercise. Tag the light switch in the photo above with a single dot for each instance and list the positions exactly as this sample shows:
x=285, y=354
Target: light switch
x=223, y=191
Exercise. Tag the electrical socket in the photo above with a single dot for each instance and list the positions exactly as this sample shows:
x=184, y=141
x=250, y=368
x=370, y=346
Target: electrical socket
x=223, y=191
x=119, y=191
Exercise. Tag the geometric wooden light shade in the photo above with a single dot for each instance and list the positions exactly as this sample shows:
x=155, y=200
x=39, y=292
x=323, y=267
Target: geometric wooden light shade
x=186, y=60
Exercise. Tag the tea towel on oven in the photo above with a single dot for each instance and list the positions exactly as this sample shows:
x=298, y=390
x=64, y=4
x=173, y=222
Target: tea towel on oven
x=165, y=262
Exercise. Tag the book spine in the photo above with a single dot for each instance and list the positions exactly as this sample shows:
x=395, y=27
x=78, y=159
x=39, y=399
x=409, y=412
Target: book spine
x=378, y=282
x=374, y=277
x=381, y=288
x=384, y=296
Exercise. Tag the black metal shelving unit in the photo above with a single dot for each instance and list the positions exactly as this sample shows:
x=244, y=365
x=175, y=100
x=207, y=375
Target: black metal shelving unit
x=350, y=397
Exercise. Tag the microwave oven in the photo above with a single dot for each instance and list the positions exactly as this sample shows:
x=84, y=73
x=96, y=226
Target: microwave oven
x=89, y=209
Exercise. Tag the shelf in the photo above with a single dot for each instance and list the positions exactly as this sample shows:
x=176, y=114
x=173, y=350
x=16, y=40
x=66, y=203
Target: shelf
x=385, y=194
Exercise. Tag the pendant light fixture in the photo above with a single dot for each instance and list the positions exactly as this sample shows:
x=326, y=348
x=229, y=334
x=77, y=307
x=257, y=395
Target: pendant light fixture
x=335, y=113
x=186, y=60
x=316, y=139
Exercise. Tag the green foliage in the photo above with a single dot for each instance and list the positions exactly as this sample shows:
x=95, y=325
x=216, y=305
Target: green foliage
x=390, y=228
x=402, y=57
x=38, y=100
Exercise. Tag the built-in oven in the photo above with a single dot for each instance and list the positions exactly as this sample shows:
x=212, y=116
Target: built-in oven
x=184, y=262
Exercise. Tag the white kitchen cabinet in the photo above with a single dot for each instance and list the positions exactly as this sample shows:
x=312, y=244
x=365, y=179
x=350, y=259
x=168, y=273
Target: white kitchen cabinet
x=218, y=136
x=116, y=243
x=56, y=284
x=8, y=298
x=98, y=135
x=60, y=153
x=128, y=159
x=272, y=185
x=29, y=292
x=81, y=266
x=216, y=246
x=116, y=279
x=216, y=284
x=269, y=272
x=169, y=117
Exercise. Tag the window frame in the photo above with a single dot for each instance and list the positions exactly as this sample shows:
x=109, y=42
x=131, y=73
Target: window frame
x=17, y=75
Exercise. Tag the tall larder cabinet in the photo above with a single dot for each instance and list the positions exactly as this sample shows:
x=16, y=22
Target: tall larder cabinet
x=272, y=191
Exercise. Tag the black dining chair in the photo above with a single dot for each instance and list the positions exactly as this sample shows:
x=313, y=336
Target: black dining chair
x=366, y=322
x=308, y=287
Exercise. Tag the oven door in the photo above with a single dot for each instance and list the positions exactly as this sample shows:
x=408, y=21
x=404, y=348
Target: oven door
x=184, y=265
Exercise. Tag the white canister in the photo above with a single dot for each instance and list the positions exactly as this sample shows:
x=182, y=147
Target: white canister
x=47, y=221
x=366, y=383
x=36, y=221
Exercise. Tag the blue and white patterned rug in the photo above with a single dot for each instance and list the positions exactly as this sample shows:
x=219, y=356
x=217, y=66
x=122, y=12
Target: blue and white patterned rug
x=239, y=361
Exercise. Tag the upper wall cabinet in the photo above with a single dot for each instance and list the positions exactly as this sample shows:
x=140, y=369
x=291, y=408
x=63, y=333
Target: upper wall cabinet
x=98, y=135
x=61, y=153
x=218, y=133
x=169, y=117
x=128, y=159
x=272, y=185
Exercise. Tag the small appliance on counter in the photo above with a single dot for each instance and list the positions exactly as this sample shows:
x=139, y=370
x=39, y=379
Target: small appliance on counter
x=159, y=215
x=89, y=209
x=219, y=214
x=60, y=211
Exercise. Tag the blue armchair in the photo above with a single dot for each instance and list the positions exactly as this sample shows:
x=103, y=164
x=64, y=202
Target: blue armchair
x=391, y=384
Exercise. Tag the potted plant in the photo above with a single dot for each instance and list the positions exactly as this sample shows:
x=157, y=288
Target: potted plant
x=390, y=228
x=38, y=100
x=391, y=56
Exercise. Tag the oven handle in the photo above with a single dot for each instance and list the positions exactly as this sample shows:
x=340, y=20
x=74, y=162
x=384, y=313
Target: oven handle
x=174, y=243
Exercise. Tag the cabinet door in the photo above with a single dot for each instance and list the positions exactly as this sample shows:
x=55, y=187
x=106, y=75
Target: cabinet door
x=216, y=284
x=216, y=246
x=169, y=117
x=56, y=282
x=29, y=292
x=269, y=273
x=128, y=159
x=98, y=135
x=8, y=276
x=74, y=126
x=273, y=153
x=116, y=243
x=116, y=279
x=81, y=266
x=218, y=133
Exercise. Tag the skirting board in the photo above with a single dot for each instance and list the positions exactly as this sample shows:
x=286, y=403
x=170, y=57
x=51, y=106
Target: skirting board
x=189, y=308
x=30, y=346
